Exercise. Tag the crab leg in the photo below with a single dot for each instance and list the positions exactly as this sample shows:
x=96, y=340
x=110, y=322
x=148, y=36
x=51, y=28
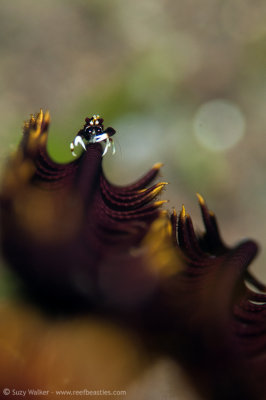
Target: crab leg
x=107, y=145
x=113, y=145
x=100, y=138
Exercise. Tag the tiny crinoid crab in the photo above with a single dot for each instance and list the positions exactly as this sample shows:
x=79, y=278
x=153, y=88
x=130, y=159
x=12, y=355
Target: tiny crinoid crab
x=93, y=132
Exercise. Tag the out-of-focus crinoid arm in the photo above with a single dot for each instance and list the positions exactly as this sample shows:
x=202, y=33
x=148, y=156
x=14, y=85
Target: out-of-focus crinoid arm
x=214, y=314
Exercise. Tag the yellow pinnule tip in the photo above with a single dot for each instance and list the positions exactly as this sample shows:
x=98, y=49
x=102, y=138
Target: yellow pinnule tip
x=183, y=212
x=39, y=118
x=174, y=213
x=156, y=190
x=201, y=199
x=143, y=190
x=160, y=203
x=47, y=117
x=157, y=165
x=159, y=186
x=26, y=124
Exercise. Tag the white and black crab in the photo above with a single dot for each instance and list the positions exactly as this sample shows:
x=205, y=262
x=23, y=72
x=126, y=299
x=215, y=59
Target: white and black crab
x=94, y=132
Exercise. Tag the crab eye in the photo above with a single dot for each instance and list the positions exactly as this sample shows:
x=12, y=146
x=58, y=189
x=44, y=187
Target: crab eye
x=96, y=122
x=91, y=122
x=88, y=130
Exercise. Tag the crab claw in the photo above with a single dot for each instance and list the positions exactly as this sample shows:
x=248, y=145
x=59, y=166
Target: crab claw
x=72, y=149
x=78, y=140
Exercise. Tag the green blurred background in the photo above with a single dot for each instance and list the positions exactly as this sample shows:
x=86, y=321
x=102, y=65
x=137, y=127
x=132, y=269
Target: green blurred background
x=182, y=82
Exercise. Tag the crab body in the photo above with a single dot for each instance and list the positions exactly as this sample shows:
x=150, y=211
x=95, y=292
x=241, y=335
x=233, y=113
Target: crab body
x=94, y=132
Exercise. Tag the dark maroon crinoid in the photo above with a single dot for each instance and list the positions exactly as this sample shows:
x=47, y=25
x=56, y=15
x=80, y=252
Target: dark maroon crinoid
x=77, y=240
x=68, y=231
x=209, y=315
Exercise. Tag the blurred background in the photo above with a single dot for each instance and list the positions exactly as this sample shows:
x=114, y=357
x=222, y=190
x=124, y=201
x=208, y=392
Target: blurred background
x=183, y=83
